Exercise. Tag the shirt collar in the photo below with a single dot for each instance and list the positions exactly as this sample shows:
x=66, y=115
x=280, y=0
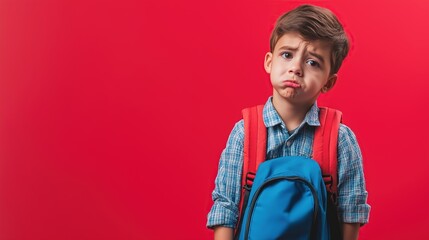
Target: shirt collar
x=272, y=118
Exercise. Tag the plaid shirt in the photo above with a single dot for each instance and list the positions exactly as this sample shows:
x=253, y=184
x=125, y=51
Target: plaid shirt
x=352, y=195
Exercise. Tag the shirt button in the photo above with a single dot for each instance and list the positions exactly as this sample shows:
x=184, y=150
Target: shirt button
x=288, y=143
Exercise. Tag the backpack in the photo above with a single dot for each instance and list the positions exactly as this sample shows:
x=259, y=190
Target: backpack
x=291, y=197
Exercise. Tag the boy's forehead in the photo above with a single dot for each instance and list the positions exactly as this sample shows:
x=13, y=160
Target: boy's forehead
x=295, y=41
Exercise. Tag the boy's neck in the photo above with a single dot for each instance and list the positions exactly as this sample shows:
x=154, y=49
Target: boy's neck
x=292, y=114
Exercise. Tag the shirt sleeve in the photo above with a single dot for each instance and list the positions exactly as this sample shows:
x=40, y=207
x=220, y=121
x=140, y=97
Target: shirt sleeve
x=352, y=194
x=226, y=195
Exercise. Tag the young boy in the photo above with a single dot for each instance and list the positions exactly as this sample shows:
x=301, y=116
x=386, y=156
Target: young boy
x=307, y=48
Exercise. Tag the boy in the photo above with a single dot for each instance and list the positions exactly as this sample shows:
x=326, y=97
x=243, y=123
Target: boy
x=307, y=47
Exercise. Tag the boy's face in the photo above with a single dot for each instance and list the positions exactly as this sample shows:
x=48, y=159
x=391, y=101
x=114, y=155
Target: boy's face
x=299, y=69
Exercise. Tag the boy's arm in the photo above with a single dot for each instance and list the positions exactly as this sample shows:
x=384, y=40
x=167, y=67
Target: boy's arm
x=351, y=231
x=223, y=233
x=226, y=195
x=353, y=208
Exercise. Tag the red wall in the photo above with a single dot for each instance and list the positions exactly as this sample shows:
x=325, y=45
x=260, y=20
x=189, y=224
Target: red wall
x=113, y=114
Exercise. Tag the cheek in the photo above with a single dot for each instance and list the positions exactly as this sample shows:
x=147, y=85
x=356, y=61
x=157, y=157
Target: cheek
x=278, y=69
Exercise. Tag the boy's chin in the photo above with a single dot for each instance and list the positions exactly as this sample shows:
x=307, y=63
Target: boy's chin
x=288, y=93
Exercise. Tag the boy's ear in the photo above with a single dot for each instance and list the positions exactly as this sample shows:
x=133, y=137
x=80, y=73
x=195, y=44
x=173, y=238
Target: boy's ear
x=330, y=83
x=267, y=62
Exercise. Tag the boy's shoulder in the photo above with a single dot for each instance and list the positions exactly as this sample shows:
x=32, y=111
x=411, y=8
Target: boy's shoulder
x=237, y=133
x=346, y=135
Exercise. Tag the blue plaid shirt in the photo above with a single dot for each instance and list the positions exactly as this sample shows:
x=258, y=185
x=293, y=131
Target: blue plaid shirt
x=352, y=195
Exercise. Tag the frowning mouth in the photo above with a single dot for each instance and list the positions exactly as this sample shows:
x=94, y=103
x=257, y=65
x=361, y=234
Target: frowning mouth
x=291, y=83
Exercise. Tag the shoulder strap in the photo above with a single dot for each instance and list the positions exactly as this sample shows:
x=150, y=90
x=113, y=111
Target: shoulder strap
x=254, y=152
x=255, y=138
x=325, y=145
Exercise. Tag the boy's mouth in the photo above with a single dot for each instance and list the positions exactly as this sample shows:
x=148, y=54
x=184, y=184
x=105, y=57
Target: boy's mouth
x=291, y=83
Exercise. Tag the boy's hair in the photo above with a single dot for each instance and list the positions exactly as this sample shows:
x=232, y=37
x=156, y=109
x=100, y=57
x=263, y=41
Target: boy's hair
x=314, y=23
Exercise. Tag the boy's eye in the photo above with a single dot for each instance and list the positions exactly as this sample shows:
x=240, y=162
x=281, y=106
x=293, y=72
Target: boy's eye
x=313, y=63
x=286, y=55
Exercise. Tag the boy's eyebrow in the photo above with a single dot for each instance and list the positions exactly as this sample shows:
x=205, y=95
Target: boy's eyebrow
x=285, y=47
x=317, y=56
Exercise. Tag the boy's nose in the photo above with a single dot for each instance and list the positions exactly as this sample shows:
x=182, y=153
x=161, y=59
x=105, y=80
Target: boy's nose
x=295, y=69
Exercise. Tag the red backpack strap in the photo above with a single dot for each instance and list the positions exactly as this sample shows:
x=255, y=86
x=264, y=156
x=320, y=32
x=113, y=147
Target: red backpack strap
x=325, y=146
x=255, y=146
x=255, y=138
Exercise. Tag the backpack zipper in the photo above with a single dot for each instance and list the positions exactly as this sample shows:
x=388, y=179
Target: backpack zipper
x=292, y=178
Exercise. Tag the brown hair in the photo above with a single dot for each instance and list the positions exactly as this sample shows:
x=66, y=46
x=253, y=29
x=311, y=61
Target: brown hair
x=314, y=23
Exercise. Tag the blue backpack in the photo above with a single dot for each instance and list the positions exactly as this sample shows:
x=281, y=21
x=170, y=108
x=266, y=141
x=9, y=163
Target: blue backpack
x=291, y=197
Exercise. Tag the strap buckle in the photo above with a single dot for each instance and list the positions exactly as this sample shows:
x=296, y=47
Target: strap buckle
x=250, y=176
x=329, y=181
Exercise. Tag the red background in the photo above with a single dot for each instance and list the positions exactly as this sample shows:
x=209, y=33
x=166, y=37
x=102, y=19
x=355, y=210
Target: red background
x=113, y=114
